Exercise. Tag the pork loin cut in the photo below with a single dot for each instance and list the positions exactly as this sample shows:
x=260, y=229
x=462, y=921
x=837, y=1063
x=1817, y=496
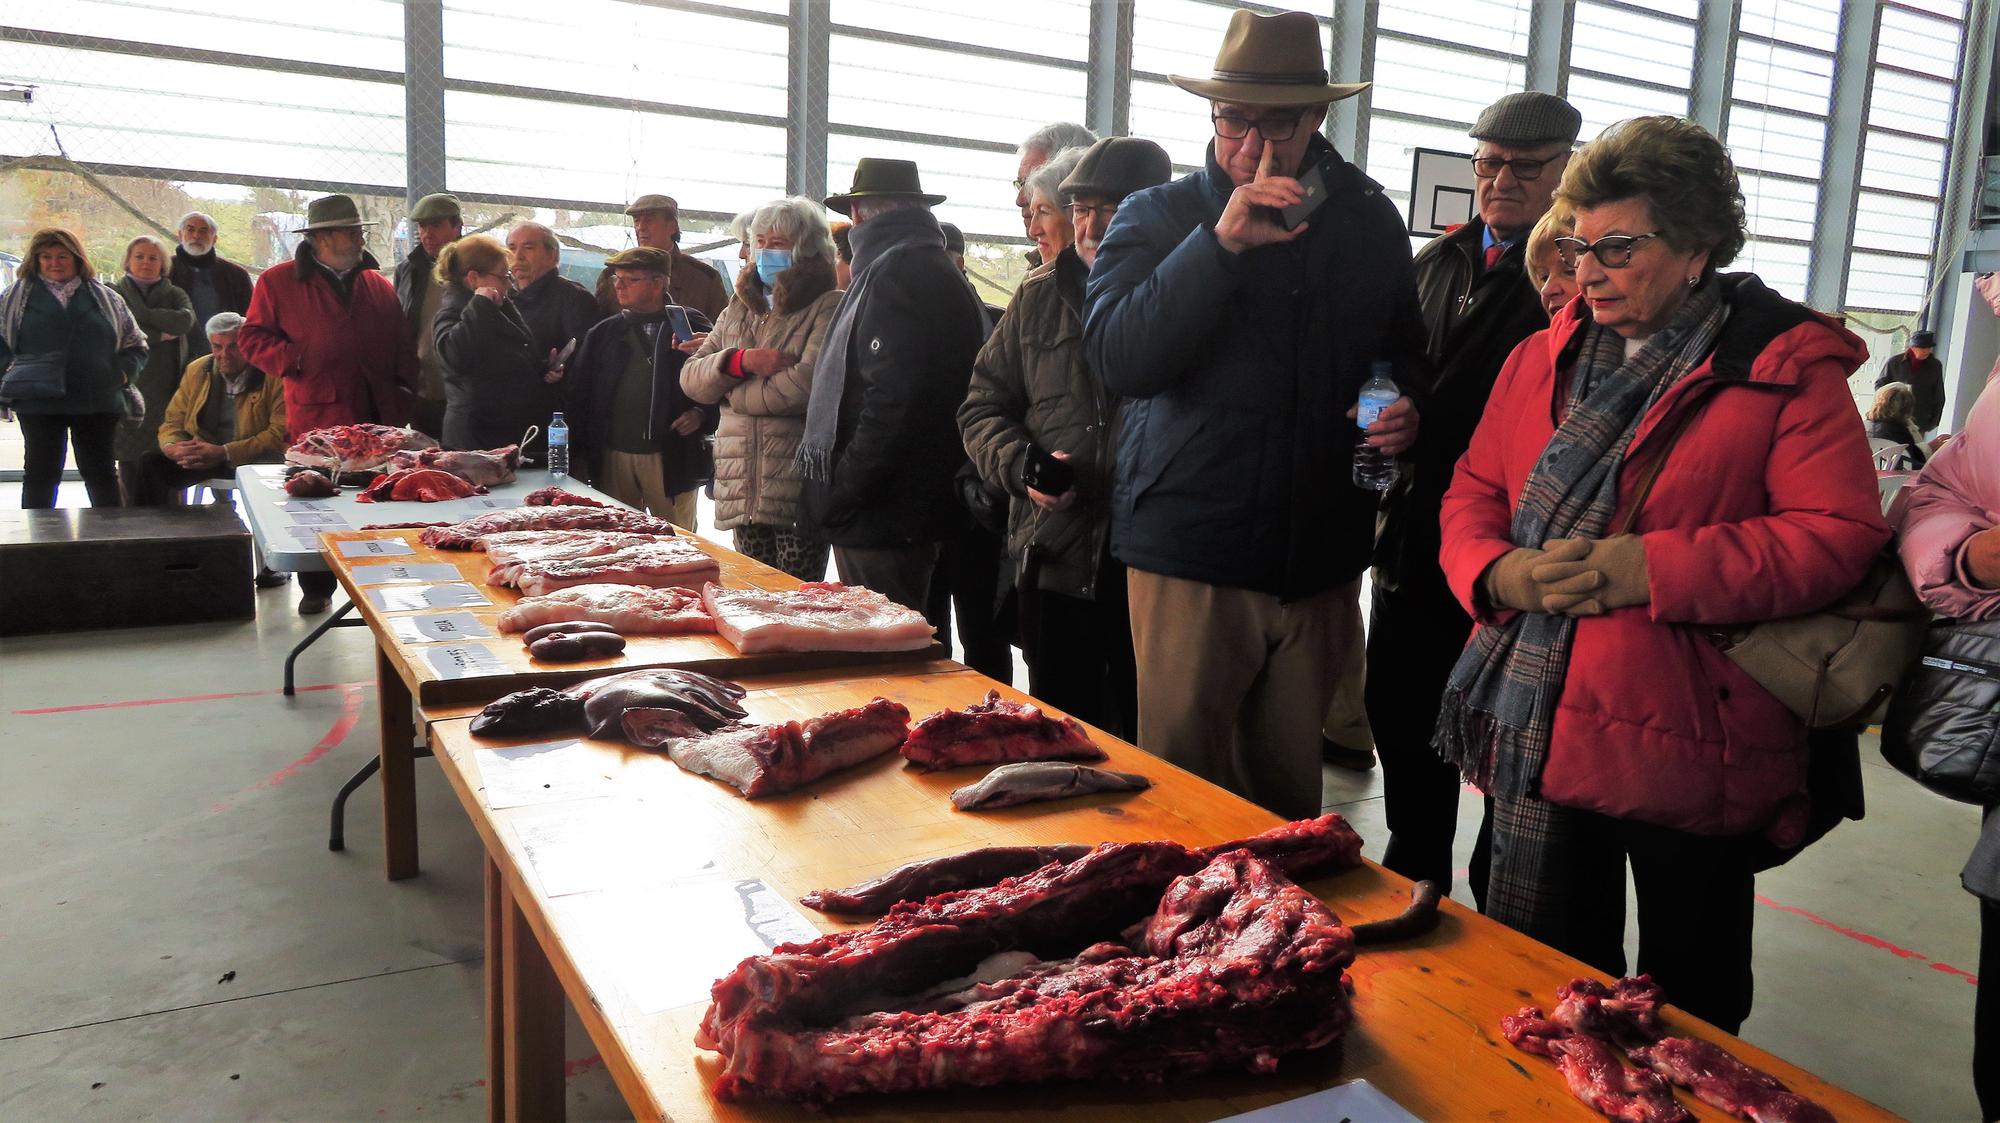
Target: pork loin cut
x=816, y=616
x=996, y=731
x=632, y=610
x=761, y=760
x=510, y=549
x=468, y=535
x=667, y=563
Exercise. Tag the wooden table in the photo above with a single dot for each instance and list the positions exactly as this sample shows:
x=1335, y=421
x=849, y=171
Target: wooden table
x=623, y=885
x=439, y=675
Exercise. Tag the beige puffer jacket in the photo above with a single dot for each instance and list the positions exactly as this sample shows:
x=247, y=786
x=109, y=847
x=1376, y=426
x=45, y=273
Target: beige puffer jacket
x=763, y=418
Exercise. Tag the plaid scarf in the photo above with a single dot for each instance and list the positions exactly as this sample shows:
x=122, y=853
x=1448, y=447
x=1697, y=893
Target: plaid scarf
x=14, y=307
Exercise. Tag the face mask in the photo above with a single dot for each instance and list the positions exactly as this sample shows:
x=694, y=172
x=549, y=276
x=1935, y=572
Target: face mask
x=770, y=263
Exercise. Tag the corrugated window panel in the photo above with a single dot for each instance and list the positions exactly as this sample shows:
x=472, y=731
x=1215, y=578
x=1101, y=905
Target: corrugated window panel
x=1909, y=103
x=1891, y=162
x=1919, y=43
x=1496, y=25
x=1427, y=81
x=1782, y=77
x=1053, y=28
x=162, y=113
x=1172, y=118
x=1895, y=284
x=1180, y=36
x=1623, y=42
x=546, y=149
x=1807, y=23
x=1604, y=103
x=366, y=33
x=633, y=51
x=1781, y=265
x=978, y=186
x=1776, y=142
x=1780, y=208
x=1391, y=153
x=1893, y=222
x=916, y=89
x=1950, y=9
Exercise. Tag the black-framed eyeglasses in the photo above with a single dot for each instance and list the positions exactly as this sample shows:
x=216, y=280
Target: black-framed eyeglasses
x=1277, y=130
x=1613, y=251
x=1525, y=168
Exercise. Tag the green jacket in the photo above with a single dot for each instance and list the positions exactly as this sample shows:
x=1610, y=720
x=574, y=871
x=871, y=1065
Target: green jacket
x=163, y=310
x=98, y=367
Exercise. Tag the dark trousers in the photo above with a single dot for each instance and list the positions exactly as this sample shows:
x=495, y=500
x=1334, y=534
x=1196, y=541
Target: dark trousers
x=1986, y=1014
x=901, y=573
x=156, y=481
x=1414, y=638
x=317, y=584
x=45, y=442
x=1696, y=895
x=1079, y=653
x=968, y=575
x=427, y=417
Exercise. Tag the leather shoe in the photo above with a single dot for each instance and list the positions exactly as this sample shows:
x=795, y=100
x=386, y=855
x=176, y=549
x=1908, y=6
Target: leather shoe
x=266, y=579
x=310, y=605
x=1341, y=756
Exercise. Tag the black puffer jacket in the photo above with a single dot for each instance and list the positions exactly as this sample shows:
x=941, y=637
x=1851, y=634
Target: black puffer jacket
x=685, y=462
x=493, y=387
x=1031, y=386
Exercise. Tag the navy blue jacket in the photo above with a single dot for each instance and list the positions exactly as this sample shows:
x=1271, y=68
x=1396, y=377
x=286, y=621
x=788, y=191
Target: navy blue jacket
x=1235, y=454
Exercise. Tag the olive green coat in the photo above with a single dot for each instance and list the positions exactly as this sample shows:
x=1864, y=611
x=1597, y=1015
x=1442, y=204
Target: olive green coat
x=163, y=310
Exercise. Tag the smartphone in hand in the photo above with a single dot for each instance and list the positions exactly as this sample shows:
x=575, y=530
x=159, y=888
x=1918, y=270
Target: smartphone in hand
x=1046, y=474
x=677, y=318
x=1313, y=185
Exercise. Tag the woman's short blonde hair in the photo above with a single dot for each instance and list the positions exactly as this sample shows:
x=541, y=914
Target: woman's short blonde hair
x=1682, y=172
x=54, y=238
x=1558, y=222
x=1895, y=402
x=482, y=252
x=166, y=255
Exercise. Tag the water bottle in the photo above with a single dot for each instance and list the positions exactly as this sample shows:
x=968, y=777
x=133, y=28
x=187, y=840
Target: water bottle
x=559, y=448
x=1374, y=471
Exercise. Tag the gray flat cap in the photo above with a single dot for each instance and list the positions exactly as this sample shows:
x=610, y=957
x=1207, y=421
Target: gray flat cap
x=1117, y=166
x=1530, y=117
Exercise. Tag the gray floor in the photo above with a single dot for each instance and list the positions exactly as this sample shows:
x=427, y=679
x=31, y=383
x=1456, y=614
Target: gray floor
x=176, y=942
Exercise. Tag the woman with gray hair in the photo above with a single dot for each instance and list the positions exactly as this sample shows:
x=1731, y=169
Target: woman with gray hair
x=757, y=363
x=166, y=314
x=1048, y=207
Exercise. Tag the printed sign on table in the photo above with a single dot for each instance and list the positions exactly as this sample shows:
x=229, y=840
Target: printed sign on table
x=294, y=506
x=395, y=572
x=439, y=628
x=415, y=598
x=318, y=518
x=376, y=548
x=309, y=534
x=464, y=661
x=666, y=947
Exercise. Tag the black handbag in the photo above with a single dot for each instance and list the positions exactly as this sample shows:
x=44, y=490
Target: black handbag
x=35, y=378
x=1943, y=728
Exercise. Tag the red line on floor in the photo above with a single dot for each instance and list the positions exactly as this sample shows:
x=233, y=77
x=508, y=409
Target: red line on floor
x=350, y=713
x=1863, y=937
x=184, y=698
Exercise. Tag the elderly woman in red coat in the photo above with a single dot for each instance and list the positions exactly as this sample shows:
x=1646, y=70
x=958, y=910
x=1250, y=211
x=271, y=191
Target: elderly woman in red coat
x=1589, y=704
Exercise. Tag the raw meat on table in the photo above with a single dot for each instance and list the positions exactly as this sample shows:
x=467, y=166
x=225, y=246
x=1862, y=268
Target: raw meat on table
x=634, y=610
x=1308, y=846
x=353, y=448
x=469, y=534
x=1232, y=966
x=816, y=616
x=598, y=706
x=996, y=731
x=487, y=469
x=1013, y=784
x=510, y=549
x=1626, y=1013
x=667, y=562
x=761, y=760
x=421, y=485
x=1593, y=1071
x=554, y=497
x=310, y=483
x=1719, y=1079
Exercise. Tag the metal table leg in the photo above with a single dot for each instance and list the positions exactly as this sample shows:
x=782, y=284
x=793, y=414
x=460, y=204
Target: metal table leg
x=334, y=619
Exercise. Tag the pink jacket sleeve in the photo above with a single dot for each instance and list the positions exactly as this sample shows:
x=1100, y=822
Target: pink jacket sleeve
x=1477, y=519
x=1956, y=497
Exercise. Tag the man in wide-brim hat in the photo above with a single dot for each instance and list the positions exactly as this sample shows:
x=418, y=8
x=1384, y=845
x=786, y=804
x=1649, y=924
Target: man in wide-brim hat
x=1238, y=311
x=329, y=324
x=881, y=446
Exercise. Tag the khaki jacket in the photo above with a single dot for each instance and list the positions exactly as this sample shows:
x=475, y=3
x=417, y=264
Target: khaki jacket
x=260, y=415
x=763, y=419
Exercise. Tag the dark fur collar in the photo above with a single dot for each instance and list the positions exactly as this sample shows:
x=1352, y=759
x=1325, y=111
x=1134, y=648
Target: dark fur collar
x=797, y=287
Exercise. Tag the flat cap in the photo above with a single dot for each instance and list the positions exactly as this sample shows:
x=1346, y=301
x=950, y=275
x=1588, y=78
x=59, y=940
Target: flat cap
x=1117, y=166
x=430, y=208
x=645, y=258
x=954, y=238
x=1923, y=339
x=646, y=203
x=1530, y=117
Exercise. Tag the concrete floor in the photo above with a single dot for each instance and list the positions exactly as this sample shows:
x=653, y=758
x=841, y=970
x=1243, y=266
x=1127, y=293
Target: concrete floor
x=176, y=942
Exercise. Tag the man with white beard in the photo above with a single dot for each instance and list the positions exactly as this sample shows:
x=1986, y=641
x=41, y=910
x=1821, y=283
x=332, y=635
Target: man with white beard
x=213, y=282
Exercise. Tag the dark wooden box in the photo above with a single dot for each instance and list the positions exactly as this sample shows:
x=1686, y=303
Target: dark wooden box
x=130, y=567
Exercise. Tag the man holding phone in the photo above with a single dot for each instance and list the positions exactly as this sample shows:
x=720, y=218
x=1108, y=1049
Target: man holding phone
x=633, y=433
x=1238, y=311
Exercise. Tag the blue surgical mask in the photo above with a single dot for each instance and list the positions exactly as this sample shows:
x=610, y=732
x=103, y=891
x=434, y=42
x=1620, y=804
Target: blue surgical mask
x=770, y=263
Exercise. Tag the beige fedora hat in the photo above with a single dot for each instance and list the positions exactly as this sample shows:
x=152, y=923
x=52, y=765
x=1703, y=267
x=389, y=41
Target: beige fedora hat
x=1270, y=60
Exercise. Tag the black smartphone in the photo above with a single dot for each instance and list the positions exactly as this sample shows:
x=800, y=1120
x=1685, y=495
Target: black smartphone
x=1313, y=185
x=678, y=318
x=1045, y=473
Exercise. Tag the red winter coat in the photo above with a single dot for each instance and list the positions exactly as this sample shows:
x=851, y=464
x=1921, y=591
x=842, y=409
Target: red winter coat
x=343, y=361
x=1767, y=508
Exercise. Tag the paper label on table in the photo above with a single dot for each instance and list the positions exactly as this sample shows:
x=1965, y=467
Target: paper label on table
x=464, y=661
x=404, y=571
x=309, y=534
x=376, y=548
x=438, y=628
x=668, y=946
x=542, y=773
x=603, y=845
x=297, y=505
x=490, y=502
x=318, y=518
x=411, y=598
x=1354, y=1102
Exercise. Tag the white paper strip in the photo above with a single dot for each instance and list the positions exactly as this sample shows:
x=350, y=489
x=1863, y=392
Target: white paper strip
x=376, y=548
x=442, y=627
x=414, y=598
x=541, y=773
x=464, y=661
x=404, y=571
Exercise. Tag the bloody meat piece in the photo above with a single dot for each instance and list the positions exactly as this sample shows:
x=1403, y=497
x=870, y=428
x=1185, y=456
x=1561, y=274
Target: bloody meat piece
x=557, y=497
x=421, y=485
x=308, y=483
x=1593, y=1071
x=487, y=469
x=761, y=760
x=1719, y=1079
x=469, y=534
x=1627, y=1013
x=1236, y=967
x=353, y=448
x=996, y=731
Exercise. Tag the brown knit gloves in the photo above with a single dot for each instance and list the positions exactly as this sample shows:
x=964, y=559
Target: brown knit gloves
x=1610, y=574
x=1509, y=582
